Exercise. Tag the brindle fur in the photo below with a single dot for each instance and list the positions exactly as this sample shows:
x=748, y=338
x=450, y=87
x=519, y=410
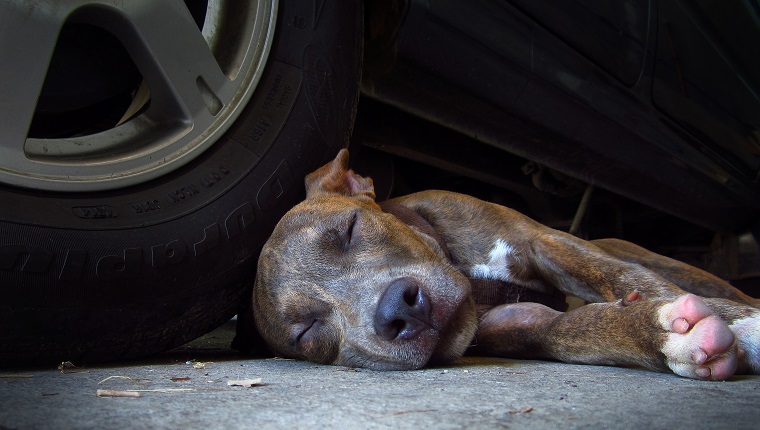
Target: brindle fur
x=333, y=256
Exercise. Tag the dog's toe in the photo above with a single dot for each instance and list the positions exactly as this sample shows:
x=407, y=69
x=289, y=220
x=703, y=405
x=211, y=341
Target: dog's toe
x=698, y=344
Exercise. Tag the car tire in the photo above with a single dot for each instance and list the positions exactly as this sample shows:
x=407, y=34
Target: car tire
x=120, y=273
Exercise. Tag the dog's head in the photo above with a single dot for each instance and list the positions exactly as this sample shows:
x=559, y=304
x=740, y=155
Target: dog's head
x=341, y=282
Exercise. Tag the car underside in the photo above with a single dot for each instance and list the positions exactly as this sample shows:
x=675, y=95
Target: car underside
x=637, y=120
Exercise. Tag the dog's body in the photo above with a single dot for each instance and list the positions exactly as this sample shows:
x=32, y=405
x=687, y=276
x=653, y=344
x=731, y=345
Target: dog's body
x=340, y=281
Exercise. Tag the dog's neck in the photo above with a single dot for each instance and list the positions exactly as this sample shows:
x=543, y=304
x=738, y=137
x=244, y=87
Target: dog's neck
x=413, y=219
x=487, y=293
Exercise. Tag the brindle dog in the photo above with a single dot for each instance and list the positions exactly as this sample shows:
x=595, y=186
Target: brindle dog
x=342, y=281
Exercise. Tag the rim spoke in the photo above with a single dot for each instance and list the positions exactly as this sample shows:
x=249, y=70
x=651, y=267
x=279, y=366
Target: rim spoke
x=29, y=40
x=173, y=57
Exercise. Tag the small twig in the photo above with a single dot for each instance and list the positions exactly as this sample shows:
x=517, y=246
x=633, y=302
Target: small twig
x=124, y=377
x=117, y=393
x=414, y=411
x=162, y=390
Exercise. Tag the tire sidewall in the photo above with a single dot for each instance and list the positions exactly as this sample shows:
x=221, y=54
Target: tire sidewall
x=100, y=276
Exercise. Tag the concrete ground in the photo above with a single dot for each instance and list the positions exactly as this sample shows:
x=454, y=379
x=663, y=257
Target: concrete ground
x=189, y=388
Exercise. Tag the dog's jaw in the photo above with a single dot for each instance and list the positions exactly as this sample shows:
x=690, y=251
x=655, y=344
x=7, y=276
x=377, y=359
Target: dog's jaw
x=458, y=336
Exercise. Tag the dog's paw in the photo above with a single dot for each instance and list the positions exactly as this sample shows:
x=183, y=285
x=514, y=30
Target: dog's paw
x=699, y=344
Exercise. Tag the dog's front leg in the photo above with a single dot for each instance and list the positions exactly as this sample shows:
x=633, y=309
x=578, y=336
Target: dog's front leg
x=682, y=335
x=495, y=242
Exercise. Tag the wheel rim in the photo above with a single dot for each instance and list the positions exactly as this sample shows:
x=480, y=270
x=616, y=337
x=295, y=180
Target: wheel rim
x=198, y=81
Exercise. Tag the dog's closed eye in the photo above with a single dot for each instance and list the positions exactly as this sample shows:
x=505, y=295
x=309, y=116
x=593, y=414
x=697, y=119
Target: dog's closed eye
x=315, y=340
x=351, y=230
x=310, y=333
x=343, y=235
x=307, y=334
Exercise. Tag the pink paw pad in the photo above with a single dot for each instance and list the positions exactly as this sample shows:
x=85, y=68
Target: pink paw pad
x=699, y=344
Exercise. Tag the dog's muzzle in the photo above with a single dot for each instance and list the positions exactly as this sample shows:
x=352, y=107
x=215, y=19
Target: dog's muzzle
x=403, y=310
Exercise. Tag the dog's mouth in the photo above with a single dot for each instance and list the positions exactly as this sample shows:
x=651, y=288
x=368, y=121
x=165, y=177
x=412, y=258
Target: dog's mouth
x=457, y=334
x=442, y=323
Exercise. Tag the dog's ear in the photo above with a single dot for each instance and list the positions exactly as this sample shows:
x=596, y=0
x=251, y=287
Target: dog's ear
x=336, y=178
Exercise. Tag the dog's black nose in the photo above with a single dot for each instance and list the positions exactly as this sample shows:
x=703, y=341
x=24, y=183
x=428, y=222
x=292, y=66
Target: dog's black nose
x=403, y=310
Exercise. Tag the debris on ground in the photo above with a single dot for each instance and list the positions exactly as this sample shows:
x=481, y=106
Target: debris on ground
x=198, y=364
x=248, y=383
x=66, y=365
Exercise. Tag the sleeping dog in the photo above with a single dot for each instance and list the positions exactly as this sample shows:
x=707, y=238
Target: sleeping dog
x=398, y=285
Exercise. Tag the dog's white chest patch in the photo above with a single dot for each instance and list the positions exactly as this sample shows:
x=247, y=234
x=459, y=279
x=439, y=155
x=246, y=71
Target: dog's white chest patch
x=497, y=267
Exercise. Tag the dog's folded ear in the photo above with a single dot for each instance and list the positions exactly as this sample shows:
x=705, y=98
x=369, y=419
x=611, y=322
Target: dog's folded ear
x=336, y=178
